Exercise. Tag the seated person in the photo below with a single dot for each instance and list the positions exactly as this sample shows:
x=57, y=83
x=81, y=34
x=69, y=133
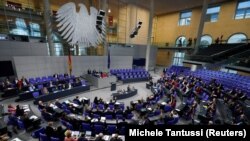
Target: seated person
x=19, y=111
x=4, y=137
x=11, y=109
x=41, y=105
x=45, y=90
x=128, y=88
x=58, y=103
x=26, y=120
x=51, y=84
x=49, y=130
x=68, y=136
x=115, y=138
x=32, y=88
x=77, y=100
x=59, y=133
x=99, y=137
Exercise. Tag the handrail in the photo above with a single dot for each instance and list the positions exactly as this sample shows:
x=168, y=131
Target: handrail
x=219, y=53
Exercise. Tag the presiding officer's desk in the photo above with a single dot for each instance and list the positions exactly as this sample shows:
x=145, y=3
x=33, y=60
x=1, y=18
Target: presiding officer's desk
x=127, y=94
x=61, y=93
x=100, y=82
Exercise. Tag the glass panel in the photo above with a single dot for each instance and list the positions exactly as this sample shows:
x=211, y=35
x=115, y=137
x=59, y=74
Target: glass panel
x=243, y=5
x=206, y=40
x=188, y=20
x=213, y=10
x=247, y=14
x=58, y=49
x=186, y=14
x=214, y=17
x=182, y=22
x=240, y=14
x=237, y=38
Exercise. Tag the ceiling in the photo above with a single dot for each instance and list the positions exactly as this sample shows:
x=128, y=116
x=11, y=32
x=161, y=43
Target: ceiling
x=168, y=6
x=161, y=6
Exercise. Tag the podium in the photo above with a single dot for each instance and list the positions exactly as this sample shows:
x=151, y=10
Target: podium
x=113, y=86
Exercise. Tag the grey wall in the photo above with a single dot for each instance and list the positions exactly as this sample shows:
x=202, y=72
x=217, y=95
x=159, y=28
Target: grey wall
x=8, y=49
x=34, y=66
x=15, y=48
x=137, y=51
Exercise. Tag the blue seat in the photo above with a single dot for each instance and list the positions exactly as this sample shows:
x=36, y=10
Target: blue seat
x=98, y=129
x=35, y=94
x=129, y=116
x=86, y=127
x=43, y=137
x=173, y=121
x=54, y=139
x=118, y=116
x=37, y=132
x=109, y=116
x=167, y=108
x=122, y=130
x=111, y=129
x=21, y=124
x=96, y=116
x=40, y=87
x=70, y=126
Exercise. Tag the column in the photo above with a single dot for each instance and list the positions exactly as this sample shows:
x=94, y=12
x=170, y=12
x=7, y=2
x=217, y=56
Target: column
x=201, y=25
x=48, y=27
x=150, y=26
x=105, y=43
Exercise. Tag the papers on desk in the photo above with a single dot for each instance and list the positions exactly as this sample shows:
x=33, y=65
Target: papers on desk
x=106, y=137
x=94, y=120
x=26, y=108
x=163, y=103
x=103, y=119
x=117, y=103
x=16, y=139
x=53, y=106
x=33, y=117
x=67, y=102
x=75, y=133
x=75, y=105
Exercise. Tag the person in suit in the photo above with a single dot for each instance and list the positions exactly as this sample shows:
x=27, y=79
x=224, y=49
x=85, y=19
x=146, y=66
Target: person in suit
x=58, y=103
x=122, y=123
x=59, y=133
x=128, y=88
x=77, y=100
x=99, y=137
x=115, y=138
x=24, y=81
x=27, y=122
x=32, y=88
x=49, y=130
x=19, y=111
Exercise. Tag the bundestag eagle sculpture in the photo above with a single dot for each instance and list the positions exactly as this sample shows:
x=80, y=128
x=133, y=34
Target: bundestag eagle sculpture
x=79, y=28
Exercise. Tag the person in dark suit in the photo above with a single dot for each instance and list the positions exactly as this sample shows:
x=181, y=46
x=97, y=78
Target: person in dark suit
x=123, y=123
x=59, y=133
x=19, y=111
x=115, y=138
x=27, y=122
x=99, y=137
x=77, y=100
x=58, y=103
x=49, y=130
